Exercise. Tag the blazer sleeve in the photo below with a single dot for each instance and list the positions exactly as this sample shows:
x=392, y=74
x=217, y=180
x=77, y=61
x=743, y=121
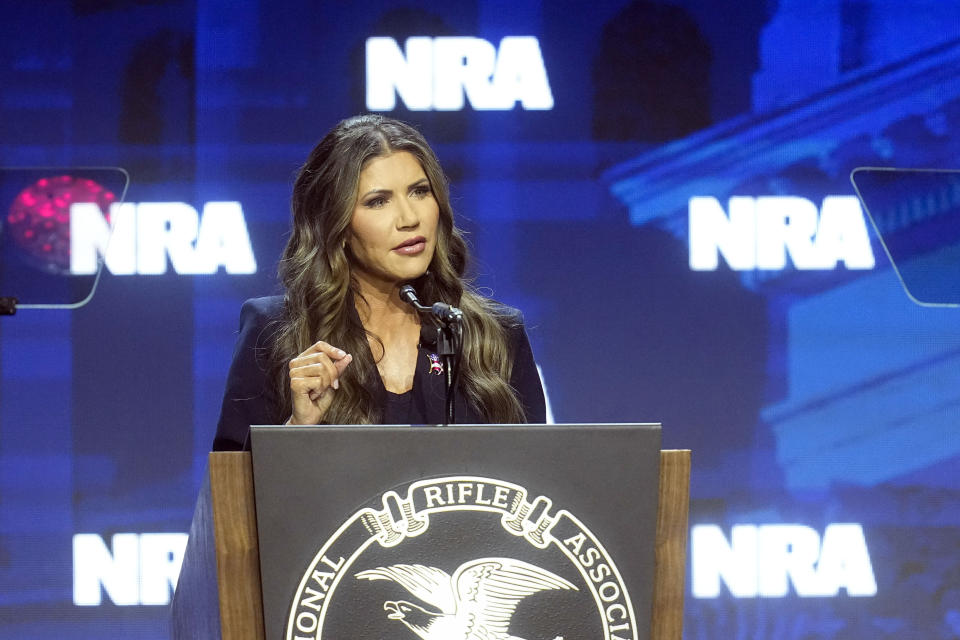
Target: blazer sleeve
x=249, y=397
x=525, y=378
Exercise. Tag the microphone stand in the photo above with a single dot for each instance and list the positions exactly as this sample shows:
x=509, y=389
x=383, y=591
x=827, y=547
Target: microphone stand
x=449, y=345
x=449, y=323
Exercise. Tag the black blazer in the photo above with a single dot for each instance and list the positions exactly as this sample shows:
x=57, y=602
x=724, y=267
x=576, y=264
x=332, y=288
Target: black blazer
x=250, y=397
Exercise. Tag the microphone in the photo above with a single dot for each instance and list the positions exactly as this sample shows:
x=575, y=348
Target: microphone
x=449, y=326
x=446, y=313
x=409, y=295
x=442, y=311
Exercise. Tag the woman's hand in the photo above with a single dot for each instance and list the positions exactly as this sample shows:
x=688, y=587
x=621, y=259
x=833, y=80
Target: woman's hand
x=314, y=378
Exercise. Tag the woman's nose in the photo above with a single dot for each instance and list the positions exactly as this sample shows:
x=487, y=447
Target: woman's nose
x=407, y=216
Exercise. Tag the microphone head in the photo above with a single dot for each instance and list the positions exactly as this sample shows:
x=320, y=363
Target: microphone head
x=409, y=295
x=446, y=312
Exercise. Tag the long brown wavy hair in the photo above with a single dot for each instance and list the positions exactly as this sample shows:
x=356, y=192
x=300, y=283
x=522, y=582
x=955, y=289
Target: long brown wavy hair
x=316, y=272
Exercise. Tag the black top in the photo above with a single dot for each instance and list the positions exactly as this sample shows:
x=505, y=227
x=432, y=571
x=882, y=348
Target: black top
x=250, y=397
x=400, y=410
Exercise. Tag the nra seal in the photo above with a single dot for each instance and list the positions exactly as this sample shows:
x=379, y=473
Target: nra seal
x=461, y=558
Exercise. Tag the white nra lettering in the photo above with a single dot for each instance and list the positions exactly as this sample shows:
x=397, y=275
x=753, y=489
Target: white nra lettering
x=322, y=577
x=475, y=493
x=141, y=569
x=311, y=602
x=500, y=497
x=759, y=233
x=480, y=498
x=312, y=598
x=438, y=73
x=762, y=561
x=433, y=497
x=608, y=590
x=142, y=238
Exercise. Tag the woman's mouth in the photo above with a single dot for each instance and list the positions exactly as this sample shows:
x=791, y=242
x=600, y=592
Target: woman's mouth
x=411, y=247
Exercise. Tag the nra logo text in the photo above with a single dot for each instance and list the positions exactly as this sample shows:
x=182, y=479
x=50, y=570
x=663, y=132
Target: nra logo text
x=761, y=233
x=436, y=73
x=142, y=238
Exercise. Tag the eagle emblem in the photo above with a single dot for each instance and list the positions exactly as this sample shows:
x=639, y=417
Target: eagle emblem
x=476, y=603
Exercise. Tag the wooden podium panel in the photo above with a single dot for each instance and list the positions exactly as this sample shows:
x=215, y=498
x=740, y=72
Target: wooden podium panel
x=666, y=621
x=218, y=594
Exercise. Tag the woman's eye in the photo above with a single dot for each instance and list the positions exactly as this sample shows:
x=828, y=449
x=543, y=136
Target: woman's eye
x=421, y=191
x=375, y=203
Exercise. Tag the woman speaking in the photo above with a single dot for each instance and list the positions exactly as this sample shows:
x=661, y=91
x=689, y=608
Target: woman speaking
x=371, y=212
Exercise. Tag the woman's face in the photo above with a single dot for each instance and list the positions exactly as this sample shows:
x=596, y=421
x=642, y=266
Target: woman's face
x=393, y=230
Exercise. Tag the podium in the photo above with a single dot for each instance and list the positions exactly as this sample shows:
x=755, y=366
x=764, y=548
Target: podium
x=533, y=495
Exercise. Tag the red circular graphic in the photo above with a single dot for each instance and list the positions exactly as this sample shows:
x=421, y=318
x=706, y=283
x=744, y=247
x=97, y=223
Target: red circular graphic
x=39, y=218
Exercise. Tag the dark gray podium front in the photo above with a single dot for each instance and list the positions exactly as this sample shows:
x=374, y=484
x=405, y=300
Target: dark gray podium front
x=473, y=532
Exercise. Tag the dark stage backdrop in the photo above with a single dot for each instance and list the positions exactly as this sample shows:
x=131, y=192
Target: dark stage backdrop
x=661, y=187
